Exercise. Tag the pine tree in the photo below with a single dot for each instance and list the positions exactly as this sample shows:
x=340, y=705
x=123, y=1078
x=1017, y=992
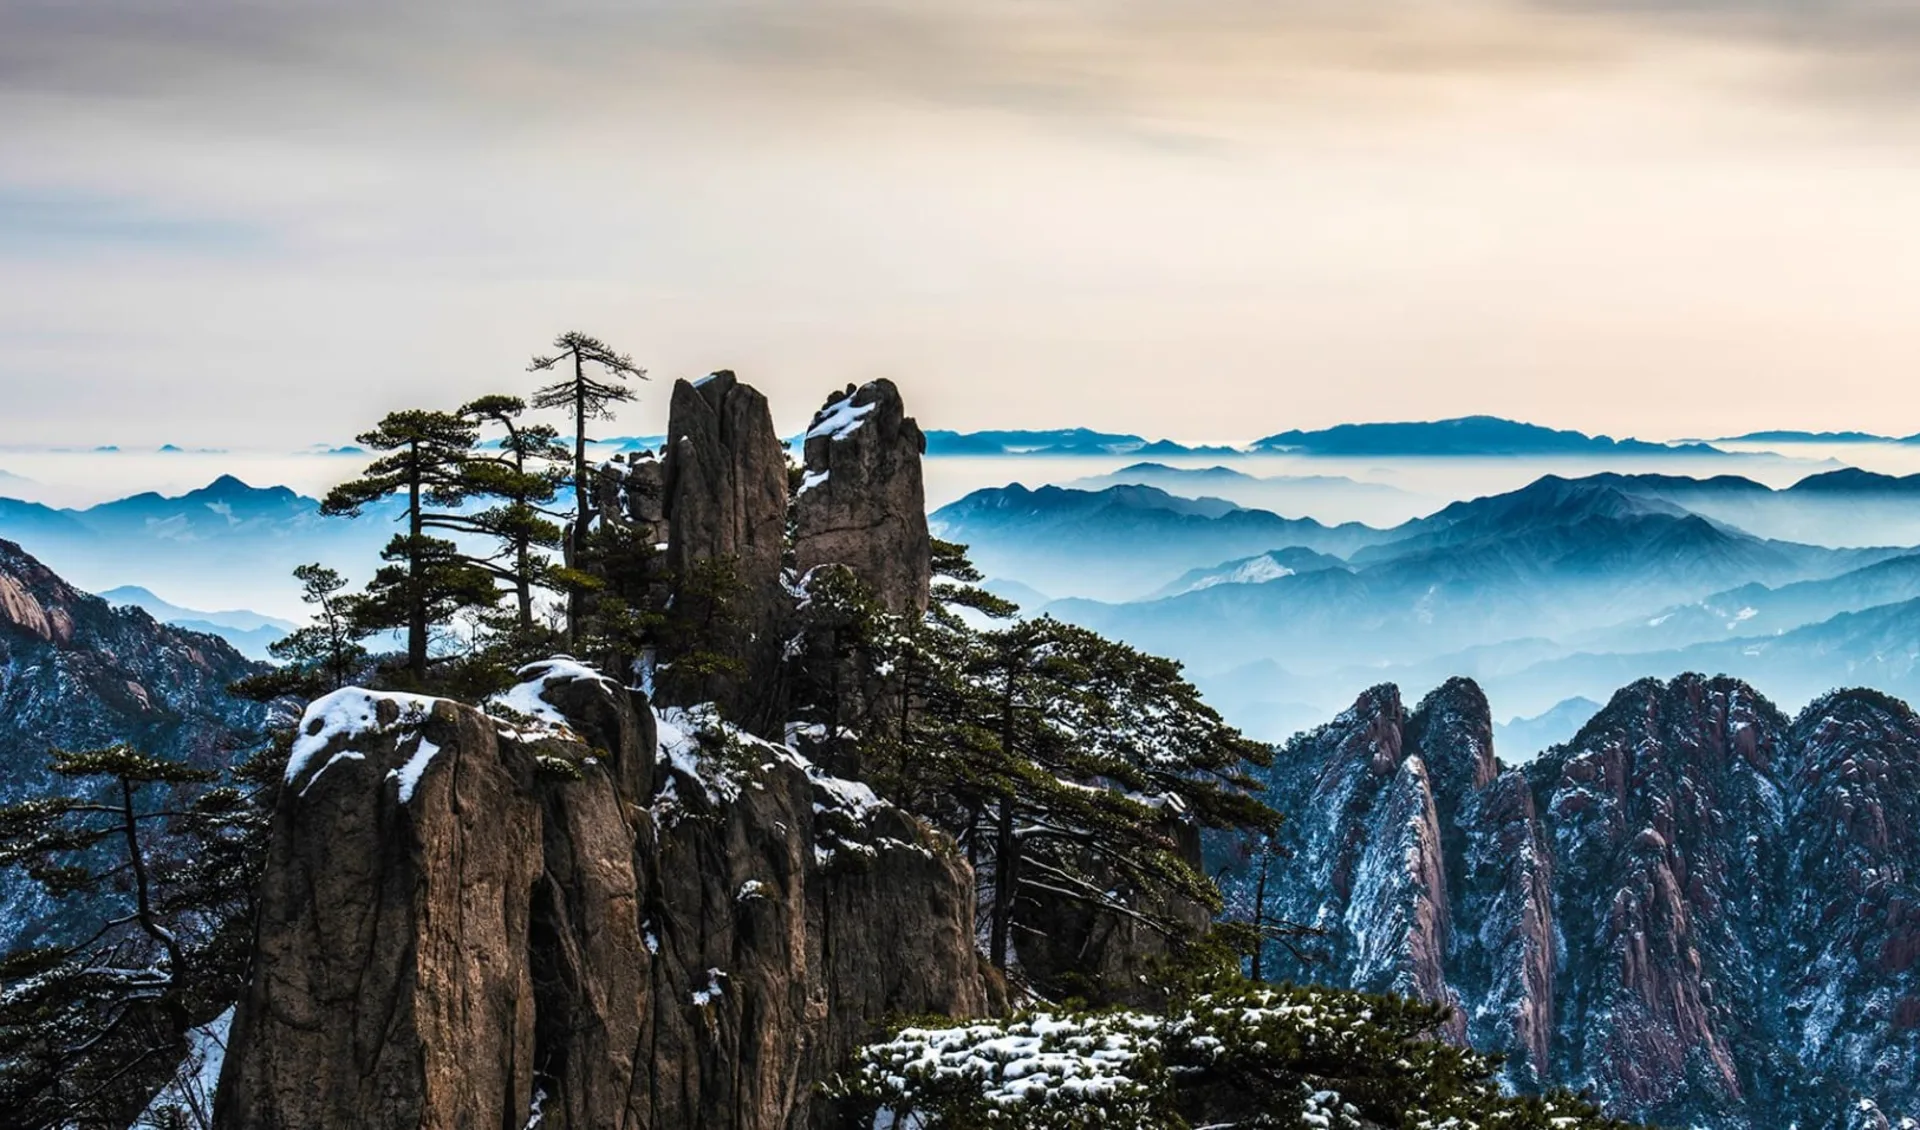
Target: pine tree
x=1222, y=1052
x=1061, y=760
x=427, y=578
x=584, y=397
x=522, y=480
x=324, y=655
x=90, y=1028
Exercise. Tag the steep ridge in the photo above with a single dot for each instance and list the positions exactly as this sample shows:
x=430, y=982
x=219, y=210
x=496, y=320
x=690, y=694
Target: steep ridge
x=1696, y=908
x=77, y=673
x=582, y=905
x=469, y=921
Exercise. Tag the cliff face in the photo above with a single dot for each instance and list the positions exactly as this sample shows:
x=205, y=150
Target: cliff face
x=1696, y=908
x=468, y=919
x=577, y=904
x=78, y=674
x=863, y=502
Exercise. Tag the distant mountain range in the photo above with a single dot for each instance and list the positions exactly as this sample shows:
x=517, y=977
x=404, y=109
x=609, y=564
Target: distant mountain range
x=1326, y=497
x=222, y=544
x=1467, y=435
x=1563, y=589
x=1549, y=560
x=1123, y=541
x=1814, y=437
x=1059, y=441
x=248, y=632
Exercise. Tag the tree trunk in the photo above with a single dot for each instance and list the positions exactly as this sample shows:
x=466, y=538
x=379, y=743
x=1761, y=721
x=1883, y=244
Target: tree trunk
x=416, y=594
x=1005, y=876
x=577, y=537
x=1006, y=850
x=1260, y=909
x=523, y=585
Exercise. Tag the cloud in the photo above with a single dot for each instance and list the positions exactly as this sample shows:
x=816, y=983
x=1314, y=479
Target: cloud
x=1056, y=58
x=68, y=224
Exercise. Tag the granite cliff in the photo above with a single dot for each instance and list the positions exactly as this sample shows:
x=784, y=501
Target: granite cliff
x=1699, y=909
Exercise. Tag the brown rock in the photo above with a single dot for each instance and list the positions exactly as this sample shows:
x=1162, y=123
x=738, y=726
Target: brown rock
x=524, y=924
x=863, y=501
x=724, y=486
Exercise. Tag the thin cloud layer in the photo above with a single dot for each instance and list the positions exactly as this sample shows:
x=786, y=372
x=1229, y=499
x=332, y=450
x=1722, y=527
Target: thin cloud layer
x=1308, y=210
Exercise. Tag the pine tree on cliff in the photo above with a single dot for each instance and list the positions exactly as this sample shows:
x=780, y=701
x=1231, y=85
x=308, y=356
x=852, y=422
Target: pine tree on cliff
x=426, y=579
x=522, y=481
x=1058, y=757
x=585, y=397
x=330, y=646
x=90, y=1028
x=1101, y=750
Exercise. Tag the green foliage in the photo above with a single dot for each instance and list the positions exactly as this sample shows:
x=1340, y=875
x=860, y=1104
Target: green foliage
x=326, y=654
x=90, y=1028
x=521, y=482
x=1231, y=1053
x=426, y=578
x=584, y=397
x=1063, y=761
x=703, y=632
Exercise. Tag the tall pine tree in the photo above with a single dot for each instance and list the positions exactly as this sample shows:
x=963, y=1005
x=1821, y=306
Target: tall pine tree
x=584, y=396
x=520, y=482
x=427, y=579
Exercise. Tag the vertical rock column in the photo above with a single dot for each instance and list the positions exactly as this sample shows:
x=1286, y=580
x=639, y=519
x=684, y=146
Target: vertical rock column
x=725, y=495
x=863, y=503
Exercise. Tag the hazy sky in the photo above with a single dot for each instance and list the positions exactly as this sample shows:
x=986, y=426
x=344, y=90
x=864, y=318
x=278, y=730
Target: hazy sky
x=228, y=222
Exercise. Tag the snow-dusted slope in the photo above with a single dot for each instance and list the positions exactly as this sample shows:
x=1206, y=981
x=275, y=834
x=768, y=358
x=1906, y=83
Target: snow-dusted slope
x=1702, y=911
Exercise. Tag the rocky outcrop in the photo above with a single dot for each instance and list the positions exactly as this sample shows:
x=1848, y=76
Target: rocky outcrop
x=724, y=491
x=76, y=673
x=862, y=503
x=1699, y=910
x=1665, y=818
x=575, y=909
x=1373, y=880
x=725, y=482
x=1852, y=946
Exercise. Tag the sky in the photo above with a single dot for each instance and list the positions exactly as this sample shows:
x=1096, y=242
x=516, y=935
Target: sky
x=266, y=222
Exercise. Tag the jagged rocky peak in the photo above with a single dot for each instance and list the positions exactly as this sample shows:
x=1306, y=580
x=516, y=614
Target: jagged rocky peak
x=1666, y=823
x=567, y=908
x=1453, y=728
x=1853, y=925
x=862, y=502
x=725, y=482
x=1375, y=881
x=32, y=598
x=1700, y=911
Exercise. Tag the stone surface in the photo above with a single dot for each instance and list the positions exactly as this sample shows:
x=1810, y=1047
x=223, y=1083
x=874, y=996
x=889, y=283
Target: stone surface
x=552, y=913
x=724, y=486
x=1698, y=910
x=862, y=503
